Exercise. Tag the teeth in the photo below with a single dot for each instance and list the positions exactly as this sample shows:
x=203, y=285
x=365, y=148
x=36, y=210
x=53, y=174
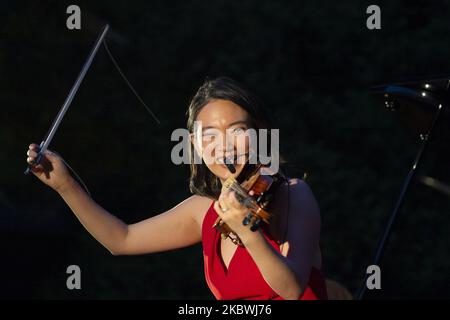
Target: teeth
x=229, y=159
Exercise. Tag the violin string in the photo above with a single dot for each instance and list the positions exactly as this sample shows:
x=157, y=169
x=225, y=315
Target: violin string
x=128, y=82
x=241, y=192
x=235, y=187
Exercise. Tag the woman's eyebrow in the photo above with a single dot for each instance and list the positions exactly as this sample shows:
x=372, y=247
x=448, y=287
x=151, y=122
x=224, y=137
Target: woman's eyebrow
x=229, y=125
x=238, y=122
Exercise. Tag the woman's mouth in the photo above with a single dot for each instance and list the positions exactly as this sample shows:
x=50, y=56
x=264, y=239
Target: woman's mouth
x=230, y=160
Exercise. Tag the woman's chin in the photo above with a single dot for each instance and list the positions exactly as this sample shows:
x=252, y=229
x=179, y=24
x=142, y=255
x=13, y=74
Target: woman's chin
x=222, y=172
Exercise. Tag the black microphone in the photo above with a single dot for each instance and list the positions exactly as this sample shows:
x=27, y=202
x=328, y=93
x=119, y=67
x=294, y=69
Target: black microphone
x=229, y=164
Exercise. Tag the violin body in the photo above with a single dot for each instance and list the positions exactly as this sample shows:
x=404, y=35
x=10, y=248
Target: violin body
x=263, y=188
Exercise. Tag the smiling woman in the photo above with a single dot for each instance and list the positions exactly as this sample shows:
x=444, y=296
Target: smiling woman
x=280, y=260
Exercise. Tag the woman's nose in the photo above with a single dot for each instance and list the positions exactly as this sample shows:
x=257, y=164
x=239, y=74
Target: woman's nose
x=227, y=146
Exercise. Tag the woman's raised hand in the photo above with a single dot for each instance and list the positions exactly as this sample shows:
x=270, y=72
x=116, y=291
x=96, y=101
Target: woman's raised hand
x=51, y=169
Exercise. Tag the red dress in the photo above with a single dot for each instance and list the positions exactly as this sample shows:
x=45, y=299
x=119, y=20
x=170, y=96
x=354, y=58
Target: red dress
x=243, y=280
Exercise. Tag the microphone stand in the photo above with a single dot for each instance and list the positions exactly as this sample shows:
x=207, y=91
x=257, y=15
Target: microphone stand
x=382, y=243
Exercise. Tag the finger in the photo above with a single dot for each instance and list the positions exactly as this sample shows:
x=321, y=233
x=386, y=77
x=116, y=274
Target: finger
x=34, y=147
x=32, y=162
x=223, y=193
x=222, y=199
x=32, y=153
x=218, y=209
x=232, y=201
x=35, y=168
x=228, y=196
x=223, y=206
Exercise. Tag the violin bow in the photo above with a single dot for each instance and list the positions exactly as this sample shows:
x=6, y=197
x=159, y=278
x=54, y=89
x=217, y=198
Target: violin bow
x=44, y=144
x=48, y=138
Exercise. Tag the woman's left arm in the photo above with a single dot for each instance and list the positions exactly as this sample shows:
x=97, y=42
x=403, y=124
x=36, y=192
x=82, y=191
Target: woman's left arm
x=287, y=273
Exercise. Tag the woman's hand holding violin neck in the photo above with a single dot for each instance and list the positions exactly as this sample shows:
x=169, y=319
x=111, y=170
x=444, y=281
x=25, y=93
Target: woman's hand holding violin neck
x=233, y=212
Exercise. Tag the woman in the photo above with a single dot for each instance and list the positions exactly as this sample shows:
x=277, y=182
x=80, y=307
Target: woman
x=281, y=260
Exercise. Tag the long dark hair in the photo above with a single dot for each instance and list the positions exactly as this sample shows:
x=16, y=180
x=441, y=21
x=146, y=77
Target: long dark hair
x=202, y=181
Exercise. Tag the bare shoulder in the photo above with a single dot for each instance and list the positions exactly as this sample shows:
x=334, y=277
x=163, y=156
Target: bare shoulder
x=198, y=206
x=299, y=187
x=294, y=203
x=302, y=198
x=298, y=183
x=303, y=228
x=297, y=190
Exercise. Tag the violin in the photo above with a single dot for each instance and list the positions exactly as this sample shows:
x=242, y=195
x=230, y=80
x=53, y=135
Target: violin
x=263, y=188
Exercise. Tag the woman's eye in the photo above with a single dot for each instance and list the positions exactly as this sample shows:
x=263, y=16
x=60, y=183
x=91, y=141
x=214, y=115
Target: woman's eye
x=237, y=131
x=208, y=135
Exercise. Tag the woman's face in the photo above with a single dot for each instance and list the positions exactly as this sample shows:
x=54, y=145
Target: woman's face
x=222, y=133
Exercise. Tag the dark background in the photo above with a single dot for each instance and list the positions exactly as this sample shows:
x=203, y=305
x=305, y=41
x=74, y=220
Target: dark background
x=311, y=62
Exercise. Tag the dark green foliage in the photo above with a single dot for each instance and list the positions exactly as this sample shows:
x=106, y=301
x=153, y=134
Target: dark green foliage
x=311, y=62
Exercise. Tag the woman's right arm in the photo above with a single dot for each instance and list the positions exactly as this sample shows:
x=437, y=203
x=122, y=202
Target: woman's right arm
x=172, y=229
x=176, y=228
x=110, y=231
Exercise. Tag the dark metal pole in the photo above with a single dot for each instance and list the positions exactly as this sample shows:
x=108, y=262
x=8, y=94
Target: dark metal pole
x=382, y=243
